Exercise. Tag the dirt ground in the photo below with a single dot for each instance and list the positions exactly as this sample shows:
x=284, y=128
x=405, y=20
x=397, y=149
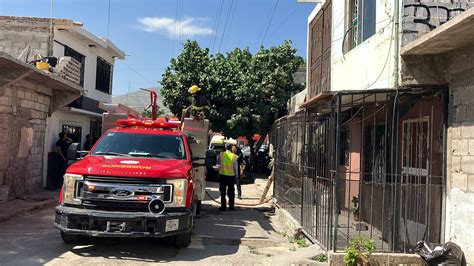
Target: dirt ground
x=244, y=237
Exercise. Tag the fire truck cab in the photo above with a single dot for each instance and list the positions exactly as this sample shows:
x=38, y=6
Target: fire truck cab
x=143, y=178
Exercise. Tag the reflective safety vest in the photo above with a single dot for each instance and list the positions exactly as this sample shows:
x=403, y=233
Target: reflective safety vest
x=227, y=160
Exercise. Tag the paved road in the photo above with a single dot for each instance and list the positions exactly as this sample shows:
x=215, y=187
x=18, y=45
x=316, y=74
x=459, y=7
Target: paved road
x=243, y=236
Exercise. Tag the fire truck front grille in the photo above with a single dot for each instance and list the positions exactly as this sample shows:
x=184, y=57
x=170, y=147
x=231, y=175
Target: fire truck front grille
x=116, y=206
x=122, y=194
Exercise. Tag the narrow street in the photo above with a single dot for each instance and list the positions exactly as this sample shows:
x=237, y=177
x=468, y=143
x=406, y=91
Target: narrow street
x=243, y=236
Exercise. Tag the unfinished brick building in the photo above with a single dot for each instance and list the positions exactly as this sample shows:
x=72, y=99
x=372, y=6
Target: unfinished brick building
x=27, y=97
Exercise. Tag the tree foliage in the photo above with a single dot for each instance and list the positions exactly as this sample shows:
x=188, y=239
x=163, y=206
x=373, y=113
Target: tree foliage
x=147, y=112
x=247, y=92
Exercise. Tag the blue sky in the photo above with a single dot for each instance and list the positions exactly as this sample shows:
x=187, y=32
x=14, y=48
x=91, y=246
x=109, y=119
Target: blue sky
x=145, y=29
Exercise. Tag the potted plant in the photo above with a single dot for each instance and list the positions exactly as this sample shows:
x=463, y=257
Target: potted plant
x=355, y=208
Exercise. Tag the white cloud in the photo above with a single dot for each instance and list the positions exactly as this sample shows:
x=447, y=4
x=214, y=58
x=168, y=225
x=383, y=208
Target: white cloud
x=187, y=27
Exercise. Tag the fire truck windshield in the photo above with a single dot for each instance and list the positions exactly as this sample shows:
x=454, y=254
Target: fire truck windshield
x=141, y=145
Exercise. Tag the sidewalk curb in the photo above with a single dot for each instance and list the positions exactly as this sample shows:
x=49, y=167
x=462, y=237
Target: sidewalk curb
x=25, y=209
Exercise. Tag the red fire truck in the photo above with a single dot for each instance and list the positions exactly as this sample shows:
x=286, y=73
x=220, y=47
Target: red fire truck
x=143, y=178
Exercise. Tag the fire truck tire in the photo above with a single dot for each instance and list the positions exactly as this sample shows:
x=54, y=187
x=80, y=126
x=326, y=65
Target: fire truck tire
x=183, y=240
x=69, y=239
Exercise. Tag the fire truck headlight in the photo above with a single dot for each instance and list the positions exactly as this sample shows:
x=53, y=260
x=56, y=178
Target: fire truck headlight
x=179, y=192
x=70, y=184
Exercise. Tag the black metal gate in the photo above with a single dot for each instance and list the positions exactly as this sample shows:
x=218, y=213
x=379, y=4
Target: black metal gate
x=368, y=164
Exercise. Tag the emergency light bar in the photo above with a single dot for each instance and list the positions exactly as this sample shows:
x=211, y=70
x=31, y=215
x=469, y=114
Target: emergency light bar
x=147, y=123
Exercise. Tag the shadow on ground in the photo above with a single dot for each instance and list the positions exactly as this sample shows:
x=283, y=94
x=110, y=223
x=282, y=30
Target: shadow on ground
x=31, y=239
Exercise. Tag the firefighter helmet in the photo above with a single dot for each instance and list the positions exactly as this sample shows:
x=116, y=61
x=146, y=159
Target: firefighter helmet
x=194, y=89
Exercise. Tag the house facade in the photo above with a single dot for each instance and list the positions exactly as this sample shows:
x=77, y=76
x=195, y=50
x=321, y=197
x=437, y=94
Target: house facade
x=378, y=148
x=26, y=37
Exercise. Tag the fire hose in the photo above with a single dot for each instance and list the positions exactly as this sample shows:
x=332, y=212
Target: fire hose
x=239, y=204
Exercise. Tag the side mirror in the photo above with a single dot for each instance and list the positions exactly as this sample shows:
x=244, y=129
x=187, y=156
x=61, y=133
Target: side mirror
x=194, y=158
x=198, y=165
x=211, y=158
x=72, y=150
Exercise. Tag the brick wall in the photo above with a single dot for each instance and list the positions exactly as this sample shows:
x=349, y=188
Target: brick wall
x=24, y=107
x=421, y=17
x=460, y=153
x=16, y=33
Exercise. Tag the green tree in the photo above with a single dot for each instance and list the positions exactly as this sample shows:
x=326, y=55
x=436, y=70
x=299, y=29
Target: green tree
x=190, y=68
x=147, y=112
x=246, y=92
x=268, y=85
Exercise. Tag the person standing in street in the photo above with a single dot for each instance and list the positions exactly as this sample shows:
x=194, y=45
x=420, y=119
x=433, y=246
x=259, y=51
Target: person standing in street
x=61, y=149
x=228, y=169
x=240, y=160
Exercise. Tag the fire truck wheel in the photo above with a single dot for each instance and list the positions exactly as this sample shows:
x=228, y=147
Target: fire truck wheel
x=69, y=239
x=183, y=240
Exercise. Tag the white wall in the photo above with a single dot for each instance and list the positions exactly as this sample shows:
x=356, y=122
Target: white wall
x=370, y=64
x=54, y=126
x=91, y=53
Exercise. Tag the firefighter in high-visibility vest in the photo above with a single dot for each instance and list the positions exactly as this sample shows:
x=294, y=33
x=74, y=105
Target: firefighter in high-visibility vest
x=228, y=170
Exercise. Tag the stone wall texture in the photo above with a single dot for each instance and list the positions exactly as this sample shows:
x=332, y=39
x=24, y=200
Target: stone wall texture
x=16, y=33
x=421, y=17
x=24, y=107
x=460, y=153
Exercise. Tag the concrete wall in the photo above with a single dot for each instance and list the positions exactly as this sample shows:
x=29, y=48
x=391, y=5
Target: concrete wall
x=370, y=64
x=421, y=17
x=16, y=33
x=24, y=107
x=460, y=160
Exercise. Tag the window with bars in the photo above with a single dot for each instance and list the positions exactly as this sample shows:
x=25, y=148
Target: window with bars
x=416, y=148
x=103, y=81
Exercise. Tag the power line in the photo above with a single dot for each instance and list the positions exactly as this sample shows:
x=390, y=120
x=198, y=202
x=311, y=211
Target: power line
x=278, y=27
x=138, y=73
x=269, y=22
x=230, y=22
x=175, y=24
x=226, y=23
x=219, y=13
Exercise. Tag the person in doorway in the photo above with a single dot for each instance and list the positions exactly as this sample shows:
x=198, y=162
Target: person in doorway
x=61, y=149
x=89, y=143
x=228, y=169
x=240, y=160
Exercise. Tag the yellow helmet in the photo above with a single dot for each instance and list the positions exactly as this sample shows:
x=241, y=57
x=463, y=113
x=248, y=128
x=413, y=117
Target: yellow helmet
x=194, y=89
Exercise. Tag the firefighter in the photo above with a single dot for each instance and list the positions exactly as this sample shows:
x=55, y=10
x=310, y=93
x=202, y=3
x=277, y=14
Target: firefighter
x=228, y=170
x=199, y=103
